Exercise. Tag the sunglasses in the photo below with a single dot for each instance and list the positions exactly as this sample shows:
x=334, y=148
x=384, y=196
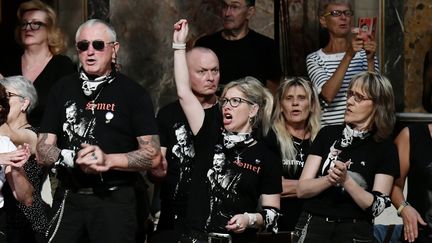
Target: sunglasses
x=33, y=25
x=337, y=13
x=98, y=45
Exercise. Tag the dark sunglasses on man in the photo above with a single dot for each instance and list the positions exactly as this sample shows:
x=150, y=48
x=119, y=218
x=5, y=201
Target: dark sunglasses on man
x=98, y=45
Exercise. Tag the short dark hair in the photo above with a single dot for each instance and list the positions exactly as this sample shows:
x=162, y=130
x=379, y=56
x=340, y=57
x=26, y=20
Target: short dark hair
x=250, y=2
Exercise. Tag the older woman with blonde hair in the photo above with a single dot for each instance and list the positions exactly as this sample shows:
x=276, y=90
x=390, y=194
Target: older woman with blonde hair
x=349, y=173
x=295, y=123
x=43, y=43
x=26, y=223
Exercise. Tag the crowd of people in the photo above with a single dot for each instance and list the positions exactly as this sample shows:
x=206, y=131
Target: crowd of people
x=243, y=150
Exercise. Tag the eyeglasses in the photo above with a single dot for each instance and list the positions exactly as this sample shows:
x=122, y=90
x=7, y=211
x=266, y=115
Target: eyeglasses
x=98, y=45
x=337, y=13
x=234, y=101
x=11, y=94
x=33, y=25
x=357, y=97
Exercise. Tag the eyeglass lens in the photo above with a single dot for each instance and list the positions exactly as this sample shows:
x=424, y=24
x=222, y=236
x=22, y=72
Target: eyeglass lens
x=33, y=25
x=98, y=45
x=337, y=13
x=357, y=97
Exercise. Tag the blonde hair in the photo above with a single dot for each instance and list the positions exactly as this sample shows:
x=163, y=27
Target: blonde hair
x=258, y=94
x=284, y=138
x=56, y=40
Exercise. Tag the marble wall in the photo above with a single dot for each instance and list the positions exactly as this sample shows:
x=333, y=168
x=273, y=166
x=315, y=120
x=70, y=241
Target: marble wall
x=418, y=40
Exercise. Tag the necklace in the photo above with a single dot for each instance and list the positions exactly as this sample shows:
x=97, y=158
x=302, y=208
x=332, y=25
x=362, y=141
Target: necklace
x=299, y=148
x=237, y=157
x=92, y=102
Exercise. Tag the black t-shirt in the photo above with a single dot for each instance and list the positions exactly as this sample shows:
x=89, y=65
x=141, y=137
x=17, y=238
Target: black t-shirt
x=122, y=111
x=420, y=172
x=254, y=55
x=229, y=181
x=176, y=136
x=367, y=158
x=291, y=207
x=58, y=67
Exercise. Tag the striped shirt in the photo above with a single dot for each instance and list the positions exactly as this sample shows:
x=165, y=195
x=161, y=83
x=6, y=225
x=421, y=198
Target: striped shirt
x=321, y=67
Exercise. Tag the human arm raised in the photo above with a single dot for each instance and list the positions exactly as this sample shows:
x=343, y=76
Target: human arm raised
x=410, y=217
x=190, y=104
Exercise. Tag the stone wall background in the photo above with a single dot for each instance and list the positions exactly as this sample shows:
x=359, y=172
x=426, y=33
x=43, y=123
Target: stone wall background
x=144, y=30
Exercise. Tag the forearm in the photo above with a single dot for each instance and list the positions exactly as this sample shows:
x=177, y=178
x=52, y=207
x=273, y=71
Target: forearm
x=360, y=196
x=308, y=188
x=181, y=75
x=371, y=64
x=331, y=88
x=47, y=150
x=148, y=156
x=289, y=188
x=21, y=187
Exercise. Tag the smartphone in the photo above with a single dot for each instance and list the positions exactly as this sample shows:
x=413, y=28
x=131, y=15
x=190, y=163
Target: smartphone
x=219, y=238
x=366, y=27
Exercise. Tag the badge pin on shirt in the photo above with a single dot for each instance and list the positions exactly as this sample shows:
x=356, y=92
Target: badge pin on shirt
x=108, y=116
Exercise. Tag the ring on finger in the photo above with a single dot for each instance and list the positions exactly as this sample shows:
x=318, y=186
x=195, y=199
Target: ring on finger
x=94, y=156
x=237, y=225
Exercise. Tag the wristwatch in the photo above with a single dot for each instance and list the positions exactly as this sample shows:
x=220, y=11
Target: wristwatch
x=401, y=207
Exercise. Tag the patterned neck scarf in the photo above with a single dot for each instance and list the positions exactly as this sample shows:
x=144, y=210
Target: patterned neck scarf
x=350, y=134
x=233, y=139
x=91, y=87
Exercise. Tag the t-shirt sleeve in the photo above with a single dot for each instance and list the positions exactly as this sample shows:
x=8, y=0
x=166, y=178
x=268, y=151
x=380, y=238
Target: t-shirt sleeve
x=143, y=117
x=316, y=71
x=389, y=160
x=318, y=145
x=271, y=178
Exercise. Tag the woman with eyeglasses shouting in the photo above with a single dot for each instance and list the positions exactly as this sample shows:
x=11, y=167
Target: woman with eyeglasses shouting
x=349, y=173
x=42, y=43
x=232, y=169
x=346, y=54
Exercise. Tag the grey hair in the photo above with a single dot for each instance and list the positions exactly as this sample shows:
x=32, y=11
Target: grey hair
x=24, y=87
x=323, y=4
x=93, y=22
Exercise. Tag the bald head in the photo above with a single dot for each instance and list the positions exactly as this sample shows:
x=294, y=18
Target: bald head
x=203, y=67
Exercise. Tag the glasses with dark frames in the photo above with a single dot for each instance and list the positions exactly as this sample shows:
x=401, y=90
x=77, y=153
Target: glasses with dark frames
x=12, y=94
x=357, y=97
x=234, y=101
x=337, y=13
x=98, y=45
x=34, y=25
